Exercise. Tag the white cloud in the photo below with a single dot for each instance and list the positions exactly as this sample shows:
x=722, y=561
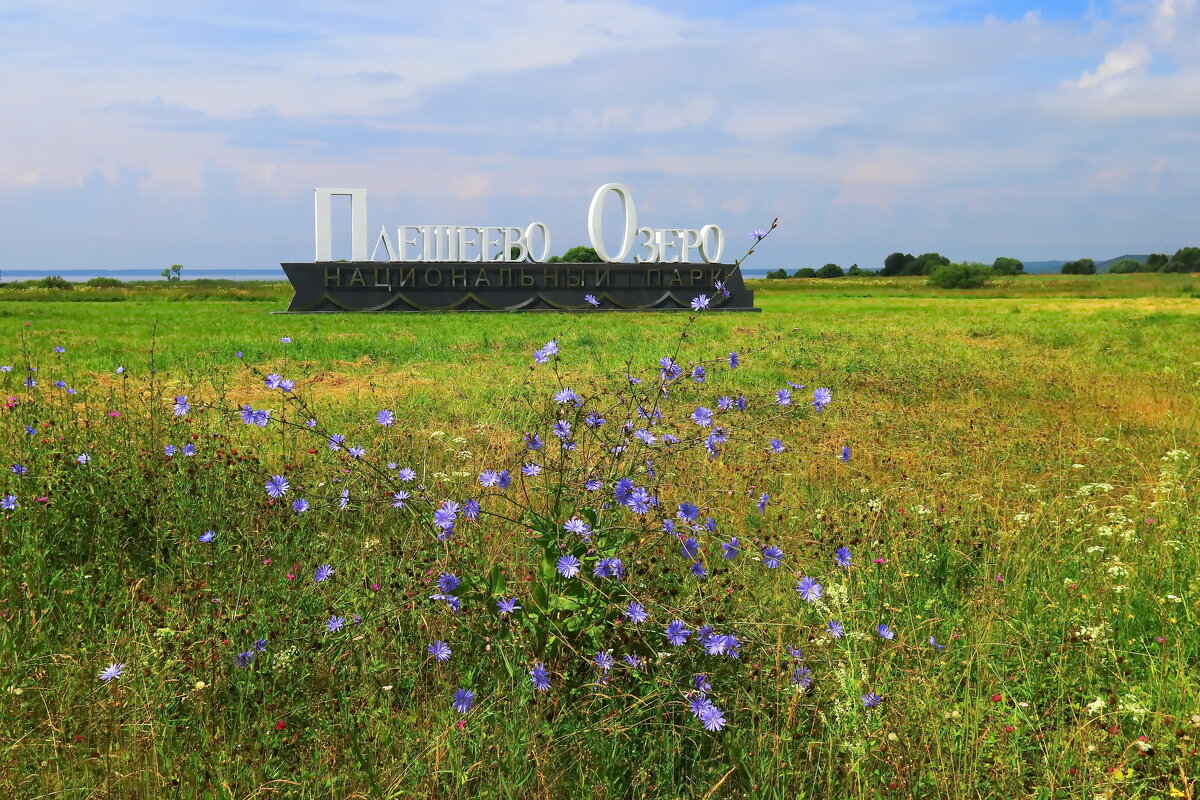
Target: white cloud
x=1128, y=57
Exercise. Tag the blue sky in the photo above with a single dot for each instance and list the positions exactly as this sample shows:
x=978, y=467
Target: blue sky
x=140, y=134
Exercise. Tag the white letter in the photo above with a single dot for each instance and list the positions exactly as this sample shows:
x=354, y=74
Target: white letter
x=688, y=240
x=487, y=246
x=596, y=227
x=711, y=256
x=358, y=223
x=545, y=241
x=514, y=237
x=662, y=245
x=649, y=245
x=464, y=243
x=439, y=244
x=403, y=241
x=387, y=245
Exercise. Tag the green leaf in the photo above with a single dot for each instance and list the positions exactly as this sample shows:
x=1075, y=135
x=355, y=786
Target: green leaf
x=496, y=581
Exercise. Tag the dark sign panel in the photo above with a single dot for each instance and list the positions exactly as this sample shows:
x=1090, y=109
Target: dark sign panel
x=513, y=286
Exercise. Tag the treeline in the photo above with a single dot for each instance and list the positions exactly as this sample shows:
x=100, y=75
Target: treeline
x=900, y=264
x=1186, y=259
x=827, y=271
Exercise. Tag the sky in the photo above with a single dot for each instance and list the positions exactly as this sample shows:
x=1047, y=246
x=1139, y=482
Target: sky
x=141, y=134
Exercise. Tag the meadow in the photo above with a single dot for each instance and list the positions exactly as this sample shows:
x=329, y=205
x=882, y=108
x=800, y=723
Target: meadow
x=996, y=507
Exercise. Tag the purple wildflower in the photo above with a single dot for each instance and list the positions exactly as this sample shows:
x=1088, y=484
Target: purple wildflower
x=440, y=651
x=568, y=566
x=507, y=606
x=112, y=672
x=577, y=526
x=713, y=718
x=540, y=677
x=842, y=557
x=730, y=549
x=463, y=700
x=809, y=589
x=676, y=633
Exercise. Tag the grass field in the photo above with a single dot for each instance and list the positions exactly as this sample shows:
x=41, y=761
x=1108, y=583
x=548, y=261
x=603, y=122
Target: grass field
x=1021, y=488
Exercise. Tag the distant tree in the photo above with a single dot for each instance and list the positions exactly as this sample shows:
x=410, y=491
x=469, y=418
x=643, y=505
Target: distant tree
x=580, y=255
x=1007, y=266
x=1179, y=266
x=855, y=270
x=54, y=282
x=777, y=273
x=805, y=272
x=1126, y=265
x=830, y=271
x=894, y=264
x=1156, y=260
x=1188, y=255
x=171, y=273
x=924, y=264
x=968, y=275
x=1084, y=266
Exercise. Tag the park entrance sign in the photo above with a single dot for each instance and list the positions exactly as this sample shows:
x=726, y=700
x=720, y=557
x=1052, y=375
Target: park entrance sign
x=503, y=268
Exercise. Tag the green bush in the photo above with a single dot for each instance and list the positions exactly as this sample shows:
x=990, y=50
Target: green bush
x=1084, y=266
x=777, y=273
x=1179, y=266
x=1007, y=266
x=970, y=275
x=1188, y=255
x=577, y=255
x=830, y=271
x=54, y=282
x=1126, y=265
x=104, y=283
x=805, y=272
x=924, y=264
